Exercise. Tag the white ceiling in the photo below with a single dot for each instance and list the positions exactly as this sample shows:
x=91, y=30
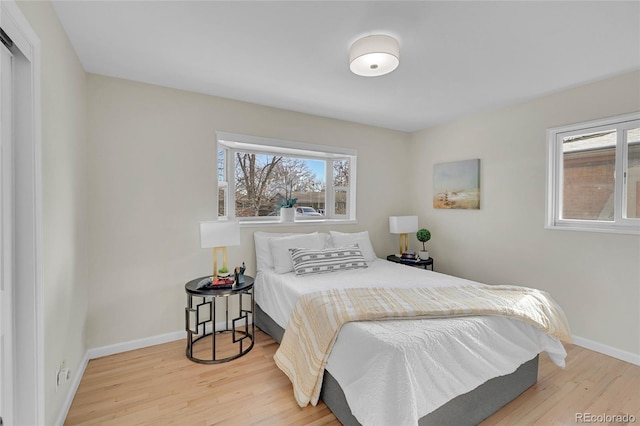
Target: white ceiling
x=456, y=58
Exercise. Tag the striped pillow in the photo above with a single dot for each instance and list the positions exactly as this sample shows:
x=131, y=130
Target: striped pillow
x=313, y=261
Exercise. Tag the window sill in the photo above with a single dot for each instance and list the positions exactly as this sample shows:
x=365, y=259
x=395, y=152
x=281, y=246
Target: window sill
x=611, y=229
x=311, y=222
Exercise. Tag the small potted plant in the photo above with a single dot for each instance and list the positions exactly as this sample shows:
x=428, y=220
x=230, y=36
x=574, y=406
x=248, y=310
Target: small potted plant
x=287, y=212
x=423, y=235
x=223, y=272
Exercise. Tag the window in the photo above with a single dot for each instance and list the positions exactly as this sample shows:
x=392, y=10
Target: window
x=593, y=178
x=255, y=175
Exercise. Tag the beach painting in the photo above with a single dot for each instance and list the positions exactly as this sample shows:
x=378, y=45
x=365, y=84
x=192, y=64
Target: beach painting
x=456, y=185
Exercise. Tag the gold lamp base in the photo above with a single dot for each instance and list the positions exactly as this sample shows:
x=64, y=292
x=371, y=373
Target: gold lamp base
x=404, y=242
x=215, y=260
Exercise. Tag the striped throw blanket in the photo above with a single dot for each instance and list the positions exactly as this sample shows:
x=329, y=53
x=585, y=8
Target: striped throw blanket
x=318, y=317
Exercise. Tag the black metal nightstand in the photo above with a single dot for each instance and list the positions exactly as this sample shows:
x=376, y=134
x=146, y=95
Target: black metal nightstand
x=418, y=264
x=200, y=317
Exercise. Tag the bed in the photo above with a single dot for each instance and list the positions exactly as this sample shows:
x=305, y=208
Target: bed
x=401, y=371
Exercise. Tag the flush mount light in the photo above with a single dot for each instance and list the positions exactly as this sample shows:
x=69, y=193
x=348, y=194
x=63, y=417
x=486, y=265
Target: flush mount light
x=374, y=55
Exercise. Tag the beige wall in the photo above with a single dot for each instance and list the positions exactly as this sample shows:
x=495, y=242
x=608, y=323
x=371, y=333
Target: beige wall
x=64, y=201
x=594, y=276
x=152, y=171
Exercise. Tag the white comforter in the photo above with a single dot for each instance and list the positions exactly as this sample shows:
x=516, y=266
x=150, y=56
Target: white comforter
x=394, y=372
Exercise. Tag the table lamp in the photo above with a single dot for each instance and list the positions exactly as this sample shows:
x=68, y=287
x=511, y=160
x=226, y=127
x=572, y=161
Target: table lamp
x=219, y=234
x=403, y=225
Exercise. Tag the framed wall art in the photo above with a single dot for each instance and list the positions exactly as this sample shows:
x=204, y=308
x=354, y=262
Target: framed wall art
x=456, y=185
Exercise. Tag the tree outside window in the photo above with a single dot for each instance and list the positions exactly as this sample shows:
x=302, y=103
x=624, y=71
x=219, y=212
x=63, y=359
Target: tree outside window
x=254, y=180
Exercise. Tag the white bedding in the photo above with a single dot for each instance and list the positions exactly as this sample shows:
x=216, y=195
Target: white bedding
x=397, y=371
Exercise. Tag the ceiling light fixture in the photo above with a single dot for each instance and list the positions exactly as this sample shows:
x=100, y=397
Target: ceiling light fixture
x=374, y=55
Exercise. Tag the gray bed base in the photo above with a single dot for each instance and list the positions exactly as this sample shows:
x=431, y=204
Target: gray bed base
x=468, y=409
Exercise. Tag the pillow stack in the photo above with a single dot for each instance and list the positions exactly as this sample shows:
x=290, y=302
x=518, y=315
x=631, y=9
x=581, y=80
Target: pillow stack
x=313, y=253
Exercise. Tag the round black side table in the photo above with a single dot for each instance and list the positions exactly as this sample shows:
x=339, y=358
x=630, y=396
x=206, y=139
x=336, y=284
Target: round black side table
x=418, y=263
x=200, y=318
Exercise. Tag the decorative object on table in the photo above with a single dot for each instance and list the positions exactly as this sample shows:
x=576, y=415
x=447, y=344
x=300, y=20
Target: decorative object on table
x=208, y=283
x=403, y=225
x=219, y=235
x=240, y=273
x=223, y=272
x=423, y=235
x=287, y=212
x=218, y=284
x=224, y=279
x=456, y=185
x=409, y=256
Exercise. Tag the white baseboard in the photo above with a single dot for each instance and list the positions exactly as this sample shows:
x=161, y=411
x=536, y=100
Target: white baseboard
x=71, y=393
x=607, y=350
x=136, y=344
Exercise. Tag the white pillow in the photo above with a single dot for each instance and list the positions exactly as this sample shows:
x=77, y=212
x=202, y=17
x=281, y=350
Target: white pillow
x=280, y=249
x=343, y=239
x=264, y=260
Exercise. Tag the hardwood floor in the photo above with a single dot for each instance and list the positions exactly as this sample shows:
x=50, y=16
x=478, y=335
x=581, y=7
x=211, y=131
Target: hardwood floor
x=160, y=386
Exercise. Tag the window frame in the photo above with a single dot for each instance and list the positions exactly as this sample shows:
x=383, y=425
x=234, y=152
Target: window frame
x=232, y=143
x=222, y=185
x=555, y=178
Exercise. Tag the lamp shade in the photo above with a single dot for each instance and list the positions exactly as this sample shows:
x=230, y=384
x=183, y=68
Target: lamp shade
x=374, y=55
x=403, y=224
x=219, y=233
